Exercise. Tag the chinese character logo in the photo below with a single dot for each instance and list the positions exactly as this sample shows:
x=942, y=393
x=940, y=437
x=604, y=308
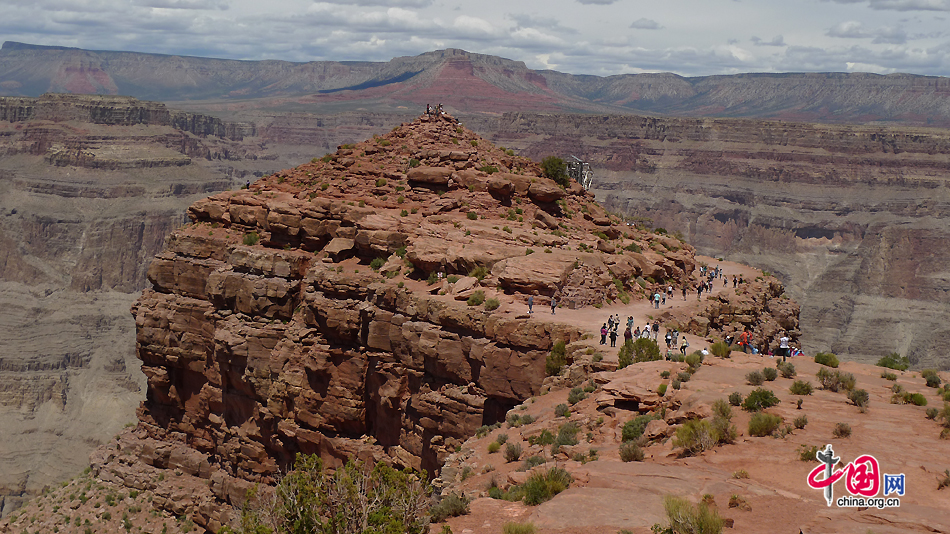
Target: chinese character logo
x=862, y=478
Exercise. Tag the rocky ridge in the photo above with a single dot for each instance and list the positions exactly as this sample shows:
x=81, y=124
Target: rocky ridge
x=297, y=315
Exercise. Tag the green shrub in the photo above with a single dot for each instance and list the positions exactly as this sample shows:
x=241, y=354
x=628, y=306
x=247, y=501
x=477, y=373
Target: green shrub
x=631, y=452
x=826, y=358
x=894, y=361
x=251, y=239
x=770, y=374
x=492, y=304
x=634, y=428
x=494, y=447
x=554, y=168
x=755, y=378
x=807, y=454
x=451, y=505
x=567, y=434
x=735, y=398
x=859, y=397
x=759, y=399
x=544, y=438
x=841, y=430
x=312, y=500
x=800, y=422
x=684, y=518
x=696, y=436
x=694, y=360
x=476, y=299
x=377, y=263
x=502, y=438
x=787, y=369
x=888, y=376
x=675, y=384
x=479, y=272
x=917, y=399
x=488, y=169
x=532, y=462
x=641, y=350
x=664, y=374
x=542, y=487
x=661, y=390
x=801, y=387
x=835, y=380
x=413, y=162
x=931, y=377
x=562, y=410
x=380, y=182
x=683, y=376
x=471, y=215
x=763, y=424
x=556, y=359
x=633, y=247
x=518, y=528
x=512, y=452
x=576, y=395
x=931, y=413
x=720, y=349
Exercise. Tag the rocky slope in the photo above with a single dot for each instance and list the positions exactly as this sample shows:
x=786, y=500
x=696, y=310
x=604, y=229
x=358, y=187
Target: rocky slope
x=89, y=188
x=305, y=314
x=849, y=217
x=473, y=83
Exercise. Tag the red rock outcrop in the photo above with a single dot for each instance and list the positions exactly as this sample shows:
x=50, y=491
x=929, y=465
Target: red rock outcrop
x=303, y=314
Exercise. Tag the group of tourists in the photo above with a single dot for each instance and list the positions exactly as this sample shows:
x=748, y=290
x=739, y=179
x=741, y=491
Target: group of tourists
x=785, y=349
x=610, y=329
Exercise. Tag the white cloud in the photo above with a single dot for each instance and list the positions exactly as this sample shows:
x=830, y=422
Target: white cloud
x=778, y=40
x=645, y=24
x=901, y=5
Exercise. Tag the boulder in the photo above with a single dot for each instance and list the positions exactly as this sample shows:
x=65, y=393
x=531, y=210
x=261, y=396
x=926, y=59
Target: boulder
x=546, y=191
x=430, y=175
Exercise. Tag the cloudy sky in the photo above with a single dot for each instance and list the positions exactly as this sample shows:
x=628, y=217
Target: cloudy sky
x=602, y=37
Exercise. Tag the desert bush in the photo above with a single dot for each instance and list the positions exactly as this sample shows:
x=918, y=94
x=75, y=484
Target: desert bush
x=251, y=238
x=576, y=395
x=634, y=428
x=931, y=377
x=518, y=528
x=787, y=369
x=932, y=413
x=476, y=298
x=754, y=378
x=696, y=436
x=544, y=438
x=556, y=359
x=502, y=438
x=542, y=487
x=801, y=387
x=759, y=399
x=683, y=376
x=808, y=454
x=512, y=452
x=888, y=376
x=531, y=462
x=694, y=360
x=684, y=518
x=916, y=399
x=377, y=263
x=945, y=481
x=740, y=474
x=494, y=447
x=567, y=434
x=894, y=361
x=665, y=374
x=451, y=505
x=554, y=168
x=841, y=430
x=835, y=380
x=827, y=359
x=492, y=304
x=721, y=408
x=859, y=397
x=800, y=421
x=631, y=452
x=641, y=350
x=661, y=390
x=770, y=373
x=763, y=424
x=735, y=398
x=354, y=498
x=675, y=384
x=945, y=415
x=472, y=215
x=720, y=349
x=562, y=410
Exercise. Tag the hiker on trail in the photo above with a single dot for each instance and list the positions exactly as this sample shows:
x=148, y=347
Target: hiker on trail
x=676, y=336
x=603, y=334
x=699, y=291
x=684, y=291
x=610, y=323
x=630, y=321
x=664, y=299
x=669, y=339
x=553, y=301
x=613, y=338
x=627, y=335
x=725, y=282
x=656, y=329
x=530, y=303
x=735, y=280
x=783, y=345
x=669, y=292
x=744, y=339
x=684, y=346
x=636, y=333
x=656, y=300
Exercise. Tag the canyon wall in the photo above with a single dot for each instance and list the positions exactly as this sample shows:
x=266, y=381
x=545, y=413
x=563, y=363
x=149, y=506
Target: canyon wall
x=852, y=219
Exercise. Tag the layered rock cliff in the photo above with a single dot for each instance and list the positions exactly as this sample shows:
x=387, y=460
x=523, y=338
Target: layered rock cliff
x=308, y=314
x=850, y=218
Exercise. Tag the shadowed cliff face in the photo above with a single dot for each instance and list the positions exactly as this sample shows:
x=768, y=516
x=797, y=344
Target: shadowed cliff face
x=853, y=219
x=89, y=188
